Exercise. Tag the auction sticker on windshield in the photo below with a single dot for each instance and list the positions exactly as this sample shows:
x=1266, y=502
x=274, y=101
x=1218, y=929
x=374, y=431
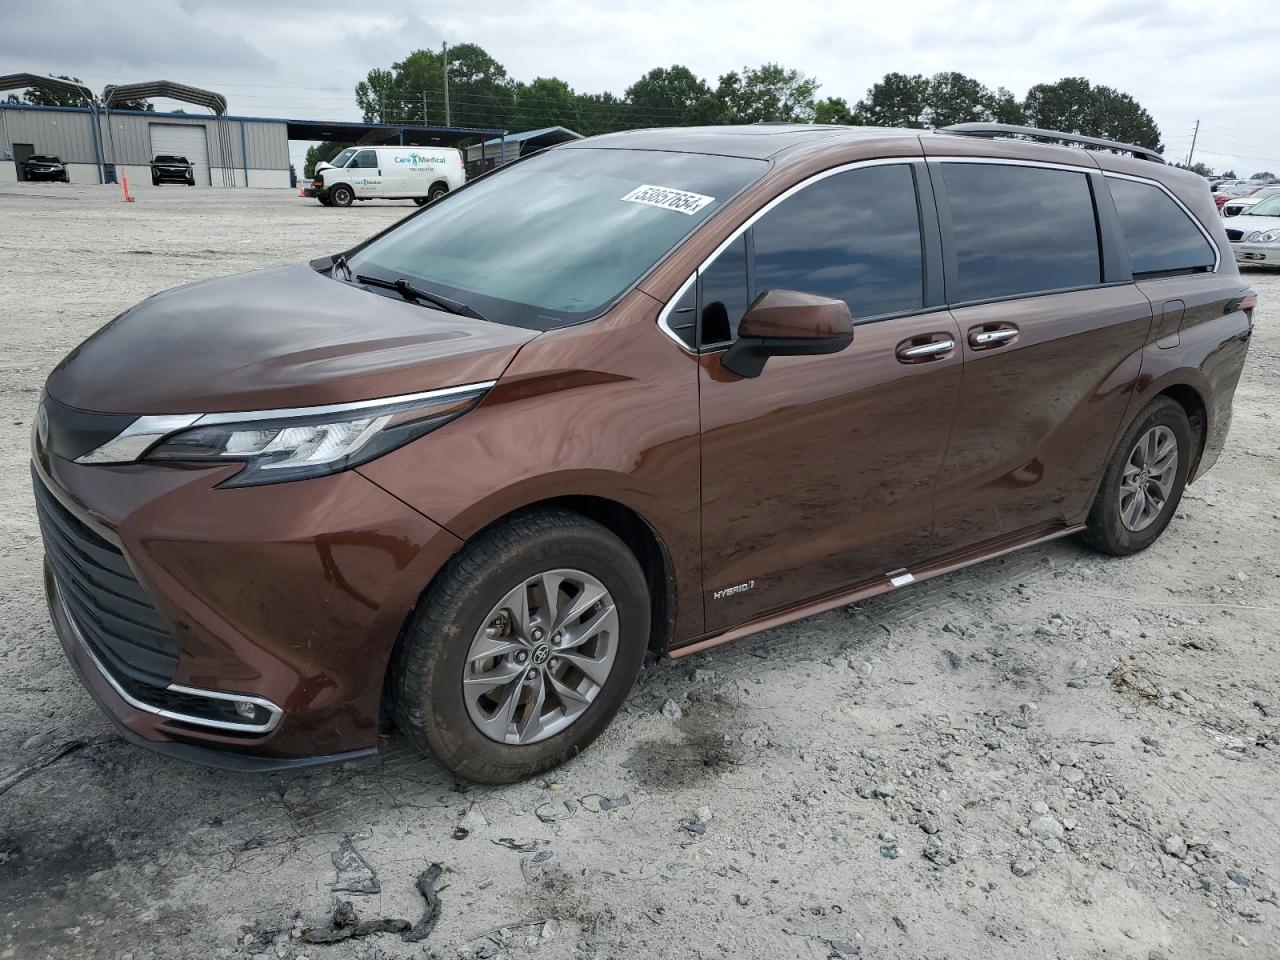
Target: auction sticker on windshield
x=681, y=201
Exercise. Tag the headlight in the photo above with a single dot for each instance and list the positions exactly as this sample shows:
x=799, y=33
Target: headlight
x=1271, y=236
x=279, y=445
x=1253, y=237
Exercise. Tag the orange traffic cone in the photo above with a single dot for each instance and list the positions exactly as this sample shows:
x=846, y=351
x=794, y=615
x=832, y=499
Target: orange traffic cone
x=124, y=183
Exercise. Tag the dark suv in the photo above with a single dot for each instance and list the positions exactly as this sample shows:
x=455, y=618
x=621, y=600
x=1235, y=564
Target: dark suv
x=43, y=166
x=170, y=169
x=647, y=392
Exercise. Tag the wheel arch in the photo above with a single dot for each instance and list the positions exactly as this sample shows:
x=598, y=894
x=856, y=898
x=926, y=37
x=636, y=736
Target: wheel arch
x=640, y=537
x=1192, y=402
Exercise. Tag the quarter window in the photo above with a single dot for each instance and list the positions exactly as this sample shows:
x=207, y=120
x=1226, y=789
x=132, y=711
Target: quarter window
x=725, y=293
x=1019, y=230
x=1160, y=236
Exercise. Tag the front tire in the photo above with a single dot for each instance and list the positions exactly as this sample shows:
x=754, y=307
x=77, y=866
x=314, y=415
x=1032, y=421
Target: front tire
x=524, y=648
x=1143, y=484
x=341, y=195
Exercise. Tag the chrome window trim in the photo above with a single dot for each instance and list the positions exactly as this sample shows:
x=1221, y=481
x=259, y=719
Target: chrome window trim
x=158, y=426
x=795, y=188
x=1082, y=168
x=271, y=708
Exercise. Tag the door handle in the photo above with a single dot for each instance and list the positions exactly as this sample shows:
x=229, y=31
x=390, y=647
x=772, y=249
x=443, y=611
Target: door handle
x=910, y=352
x=984, y=338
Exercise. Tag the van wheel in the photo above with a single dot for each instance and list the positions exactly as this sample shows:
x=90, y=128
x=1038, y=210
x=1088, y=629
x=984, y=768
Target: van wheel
x=1143, y=484
x=438, y=191
x=524, y=648
x=341, y=195
x=422, y=201
x=325, y=201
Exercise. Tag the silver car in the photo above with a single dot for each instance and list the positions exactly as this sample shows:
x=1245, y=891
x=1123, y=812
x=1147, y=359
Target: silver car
x=1255, y=234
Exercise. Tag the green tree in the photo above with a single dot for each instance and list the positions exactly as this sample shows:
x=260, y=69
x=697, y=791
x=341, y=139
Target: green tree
x=412, y=90
x=1230, y=175
x=769, y=93
x=668, y=96
x=898, y=100
x=1201, y=168
x=1001, y=106
x=601, y=113
x=1264, y=175
x=834, y=110
x=321, y=153
x=1074, y=105
x=546, y=102
x=954, y=98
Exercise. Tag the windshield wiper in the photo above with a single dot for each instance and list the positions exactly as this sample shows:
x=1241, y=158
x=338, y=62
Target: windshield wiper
x=407, y=290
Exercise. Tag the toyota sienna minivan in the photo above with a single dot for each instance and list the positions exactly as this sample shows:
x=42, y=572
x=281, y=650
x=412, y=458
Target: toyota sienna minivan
x=647, y=392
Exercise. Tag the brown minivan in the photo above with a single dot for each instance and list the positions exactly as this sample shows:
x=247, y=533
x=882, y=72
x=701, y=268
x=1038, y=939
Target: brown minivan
x=646, y=392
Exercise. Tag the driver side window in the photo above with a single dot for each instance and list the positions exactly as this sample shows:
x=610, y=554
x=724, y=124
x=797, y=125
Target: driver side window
x=366, y=159
x=853, y=236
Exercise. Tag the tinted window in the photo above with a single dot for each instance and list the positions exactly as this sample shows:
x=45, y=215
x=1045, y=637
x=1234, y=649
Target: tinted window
x=1161, y=238
x=1019, y=230
x=560, y=235
x=365, y=158
x=724, y=296
x=853, y=237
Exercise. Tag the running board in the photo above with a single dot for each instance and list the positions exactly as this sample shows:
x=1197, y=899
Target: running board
x=892, y=580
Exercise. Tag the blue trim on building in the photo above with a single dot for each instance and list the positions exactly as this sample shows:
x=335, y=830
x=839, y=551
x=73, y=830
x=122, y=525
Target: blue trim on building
x=140, y=113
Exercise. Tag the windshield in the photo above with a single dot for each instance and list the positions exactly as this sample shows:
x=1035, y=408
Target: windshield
x=169, y=159
x=341, y=159
x=1269, y=207
x=558, y=237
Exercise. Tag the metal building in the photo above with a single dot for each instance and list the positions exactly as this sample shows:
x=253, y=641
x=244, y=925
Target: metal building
x=244, y=151
x=511, y=146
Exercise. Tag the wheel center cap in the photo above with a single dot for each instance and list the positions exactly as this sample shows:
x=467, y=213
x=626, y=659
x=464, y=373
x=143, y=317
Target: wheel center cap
x=541, y=653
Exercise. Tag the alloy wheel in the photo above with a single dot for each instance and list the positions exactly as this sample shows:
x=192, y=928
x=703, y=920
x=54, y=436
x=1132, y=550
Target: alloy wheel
x=1147, y=478
x=540, y=657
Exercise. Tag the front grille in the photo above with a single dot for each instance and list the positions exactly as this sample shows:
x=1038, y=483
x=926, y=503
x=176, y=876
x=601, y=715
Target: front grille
x=1235, y=234
x=110, y=607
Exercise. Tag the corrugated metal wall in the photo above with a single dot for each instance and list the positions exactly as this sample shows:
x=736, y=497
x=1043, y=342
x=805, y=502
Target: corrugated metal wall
x=69, y=135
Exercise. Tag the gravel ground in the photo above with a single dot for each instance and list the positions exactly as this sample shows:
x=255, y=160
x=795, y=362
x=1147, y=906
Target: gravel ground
x=1049, y=755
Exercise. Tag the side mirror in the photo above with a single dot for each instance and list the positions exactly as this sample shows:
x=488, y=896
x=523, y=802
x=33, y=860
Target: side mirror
x=787, y=323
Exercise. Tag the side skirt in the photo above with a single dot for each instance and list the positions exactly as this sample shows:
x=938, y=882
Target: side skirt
x=894, y=580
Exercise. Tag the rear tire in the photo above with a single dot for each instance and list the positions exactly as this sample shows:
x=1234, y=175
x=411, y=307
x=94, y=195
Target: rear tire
x=1137, y=498
x=421, y=201
x=438, y=191
x=472, y=608
x=341, y=195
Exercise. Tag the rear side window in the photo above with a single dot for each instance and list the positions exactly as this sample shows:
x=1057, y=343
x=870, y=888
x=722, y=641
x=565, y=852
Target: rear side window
x=1019, y=230
x=1161, y=237
x=854, y=237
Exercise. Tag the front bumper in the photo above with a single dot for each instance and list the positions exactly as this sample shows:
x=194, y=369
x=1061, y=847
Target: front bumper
x=288, y=595
x=1256, y=254
x=321, y=194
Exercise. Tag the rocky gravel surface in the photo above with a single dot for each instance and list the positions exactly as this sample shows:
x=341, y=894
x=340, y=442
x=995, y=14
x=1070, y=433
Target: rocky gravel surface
x=1053, y=754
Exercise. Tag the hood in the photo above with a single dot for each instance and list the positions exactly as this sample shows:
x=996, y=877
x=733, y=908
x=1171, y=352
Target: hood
x=323, y=165
x=1248, y=224
x=286, y=337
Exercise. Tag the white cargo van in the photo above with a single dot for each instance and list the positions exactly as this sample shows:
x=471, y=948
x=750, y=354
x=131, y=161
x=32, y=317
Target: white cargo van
x=420, y=174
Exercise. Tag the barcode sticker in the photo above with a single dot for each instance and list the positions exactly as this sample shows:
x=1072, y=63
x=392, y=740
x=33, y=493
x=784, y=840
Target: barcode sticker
x=681, y=201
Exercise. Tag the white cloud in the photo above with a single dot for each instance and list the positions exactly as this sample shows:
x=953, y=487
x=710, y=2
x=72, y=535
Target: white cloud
x=301, y=58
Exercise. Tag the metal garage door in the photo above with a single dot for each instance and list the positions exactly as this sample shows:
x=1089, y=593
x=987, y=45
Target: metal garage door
x=183, y=140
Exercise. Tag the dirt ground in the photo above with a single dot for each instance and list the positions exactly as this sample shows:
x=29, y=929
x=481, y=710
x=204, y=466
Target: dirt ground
x=1048, y=755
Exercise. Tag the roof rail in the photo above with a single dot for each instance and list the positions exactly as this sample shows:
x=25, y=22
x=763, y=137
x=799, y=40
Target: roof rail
x=1035, y=133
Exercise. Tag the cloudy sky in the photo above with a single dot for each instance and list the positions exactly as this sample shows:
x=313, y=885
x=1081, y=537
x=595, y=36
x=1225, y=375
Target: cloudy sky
x=1182, y=59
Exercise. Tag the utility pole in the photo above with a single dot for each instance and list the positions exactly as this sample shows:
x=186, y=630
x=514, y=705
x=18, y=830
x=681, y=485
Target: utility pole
x=1192, y=152
x=444, y=56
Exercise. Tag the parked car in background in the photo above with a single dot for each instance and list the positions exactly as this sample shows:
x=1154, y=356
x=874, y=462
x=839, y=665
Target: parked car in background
x=1255, y=234
x=43, y=166
x=420, y=174
x=1238, y=205
x=648, y=392
x=170, y=169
